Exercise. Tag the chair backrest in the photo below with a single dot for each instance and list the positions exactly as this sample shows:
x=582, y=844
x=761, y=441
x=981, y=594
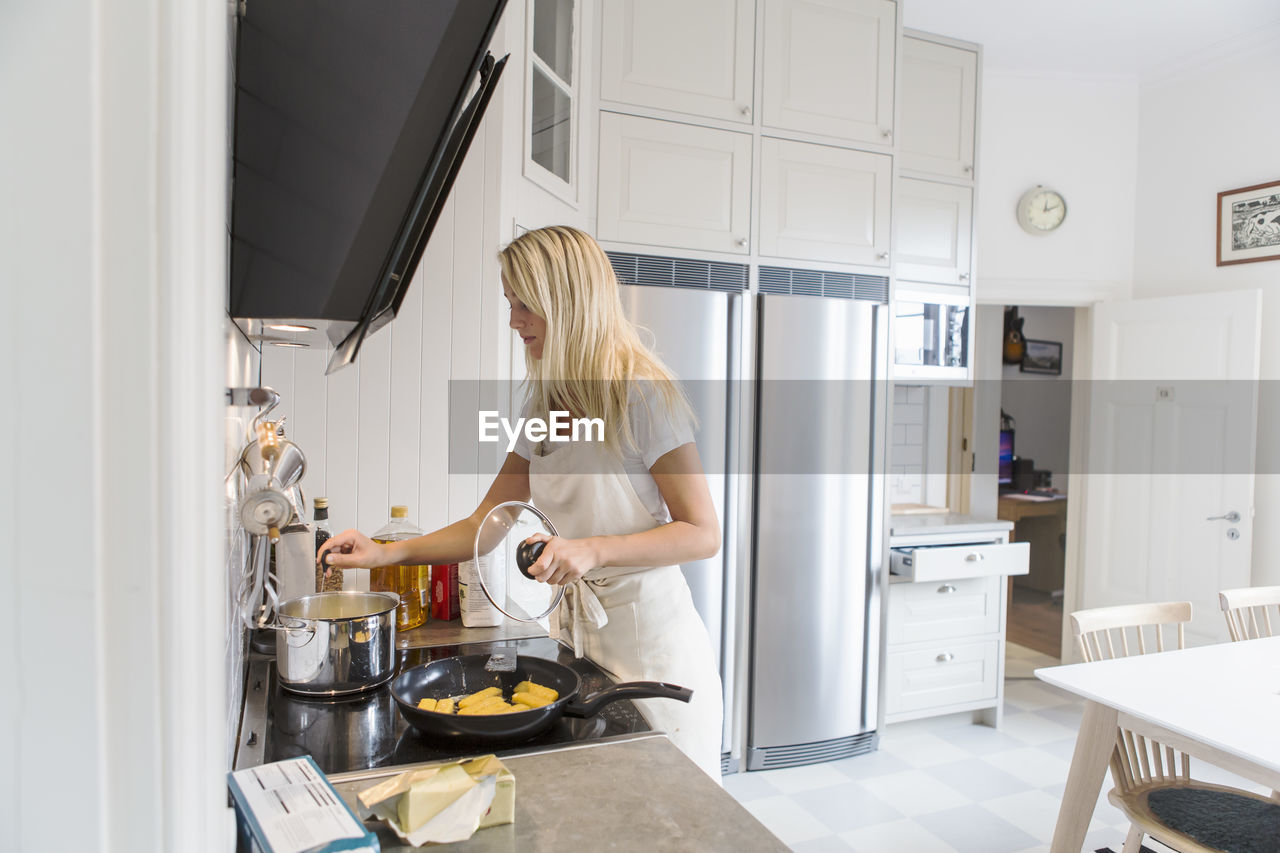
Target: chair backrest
x=1102, y=634
x=1248, y=611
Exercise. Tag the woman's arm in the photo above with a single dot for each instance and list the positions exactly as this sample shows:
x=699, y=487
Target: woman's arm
x=692, y=534
x=452, y=544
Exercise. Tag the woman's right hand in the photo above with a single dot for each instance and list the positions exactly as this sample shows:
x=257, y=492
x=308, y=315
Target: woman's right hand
x=351, y=549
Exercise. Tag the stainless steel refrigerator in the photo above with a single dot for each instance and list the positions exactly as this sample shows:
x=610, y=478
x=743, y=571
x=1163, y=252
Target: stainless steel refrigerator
x=789, y=392
x=818, y=529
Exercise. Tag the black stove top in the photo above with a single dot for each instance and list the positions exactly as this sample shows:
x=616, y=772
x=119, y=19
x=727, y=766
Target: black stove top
x=366, y=731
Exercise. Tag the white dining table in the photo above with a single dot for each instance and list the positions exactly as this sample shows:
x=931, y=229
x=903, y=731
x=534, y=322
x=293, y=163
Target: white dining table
x=1219, y=704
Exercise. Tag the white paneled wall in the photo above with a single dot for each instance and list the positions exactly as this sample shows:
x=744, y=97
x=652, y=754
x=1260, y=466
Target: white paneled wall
x=917, y=445
x=376, y=433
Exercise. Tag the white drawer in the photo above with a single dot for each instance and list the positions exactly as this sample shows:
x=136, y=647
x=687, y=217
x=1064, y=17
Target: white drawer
x=940, y=610
x=943, y=562
x=947, y=674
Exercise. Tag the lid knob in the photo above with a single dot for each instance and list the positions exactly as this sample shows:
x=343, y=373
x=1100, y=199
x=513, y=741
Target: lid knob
x=527, y=554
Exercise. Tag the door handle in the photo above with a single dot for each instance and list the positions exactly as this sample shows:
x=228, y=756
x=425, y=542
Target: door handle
x=1232, y=517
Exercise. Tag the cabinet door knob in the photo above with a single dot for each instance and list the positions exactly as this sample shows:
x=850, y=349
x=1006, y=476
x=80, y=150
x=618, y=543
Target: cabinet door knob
x=886, y=132
x=972, y=558
x=742, y=241
x=946, y=588
x=746, y=109
x=945, y=657
x=968, y=170
x=883, y=256
x=964, y=276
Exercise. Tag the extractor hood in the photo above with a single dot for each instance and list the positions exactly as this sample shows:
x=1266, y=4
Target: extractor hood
x=351, y=122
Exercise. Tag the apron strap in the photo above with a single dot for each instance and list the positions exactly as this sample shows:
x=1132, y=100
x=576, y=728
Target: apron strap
x=578, y=605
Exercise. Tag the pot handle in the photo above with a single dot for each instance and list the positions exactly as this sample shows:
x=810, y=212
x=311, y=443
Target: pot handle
x=592, y=704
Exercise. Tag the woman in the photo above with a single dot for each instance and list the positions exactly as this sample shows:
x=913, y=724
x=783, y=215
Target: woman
x=629, y=509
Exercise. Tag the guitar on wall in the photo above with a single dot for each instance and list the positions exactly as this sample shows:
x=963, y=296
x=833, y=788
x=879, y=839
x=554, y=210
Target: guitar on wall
x=1015, y=345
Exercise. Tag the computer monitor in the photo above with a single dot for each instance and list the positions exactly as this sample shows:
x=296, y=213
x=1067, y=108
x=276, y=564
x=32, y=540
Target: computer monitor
x=1004, y=474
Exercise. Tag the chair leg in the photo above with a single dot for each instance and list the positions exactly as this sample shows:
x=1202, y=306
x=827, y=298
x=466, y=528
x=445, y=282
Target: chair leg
x=1133, y=841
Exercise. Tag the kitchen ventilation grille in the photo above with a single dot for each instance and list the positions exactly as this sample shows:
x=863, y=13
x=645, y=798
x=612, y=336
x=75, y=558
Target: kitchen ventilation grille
x=679, y=272
x=773, y=757
x=836, y=285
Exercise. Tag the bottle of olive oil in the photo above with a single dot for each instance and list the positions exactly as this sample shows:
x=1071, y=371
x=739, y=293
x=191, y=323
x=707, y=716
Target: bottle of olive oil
x=402, y=580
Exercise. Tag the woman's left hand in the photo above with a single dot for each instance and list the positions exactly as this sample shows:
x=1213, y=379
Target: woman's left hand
x=563, y=560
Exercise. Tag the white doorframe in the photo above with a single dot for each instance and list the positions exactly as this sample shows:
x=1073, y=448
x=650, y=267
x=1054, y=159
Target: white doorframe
x=1078, y=456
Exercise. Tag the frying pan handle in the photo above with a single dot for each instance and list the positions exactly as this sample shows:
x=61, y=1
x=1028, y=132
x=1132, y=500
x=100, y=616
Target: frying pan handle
x=591, y=705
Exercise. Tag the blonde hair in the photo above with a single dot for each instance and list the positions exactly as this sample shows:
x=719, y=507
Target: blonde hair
x=591, y=351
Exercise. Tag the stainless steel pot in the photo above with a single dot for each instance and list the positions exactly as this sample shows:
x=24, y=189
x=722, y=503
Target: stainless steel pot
x=336, y=643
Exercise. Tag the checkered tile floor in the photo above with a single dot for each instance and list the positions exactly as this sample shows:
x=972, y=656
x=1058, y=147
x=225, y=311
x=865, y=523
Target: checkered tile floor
x=946, y=785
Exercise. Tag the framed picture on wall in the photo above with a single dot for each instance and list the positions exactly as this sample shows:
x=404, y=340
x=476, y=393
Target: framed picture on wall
x=1249, y=224
x=1042, y=357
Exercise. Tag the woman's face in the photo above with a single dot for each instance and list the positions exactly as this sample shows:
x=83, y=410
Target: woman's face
x=531, y=328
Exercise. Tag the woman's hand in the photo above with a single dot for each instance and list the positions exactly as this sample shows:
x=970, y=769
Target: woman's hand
x=351, y=549
x=563, y=560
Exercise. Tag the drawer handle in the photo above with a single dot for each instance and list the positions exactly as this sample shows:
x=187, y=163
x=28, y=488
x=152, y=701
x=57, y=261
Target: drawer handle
x=946, y=588
x=945, y=657
x=972, y=558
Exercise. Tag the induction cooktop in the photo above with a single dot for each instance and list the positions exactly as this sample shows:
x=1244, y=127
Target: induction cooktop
x=365, y=731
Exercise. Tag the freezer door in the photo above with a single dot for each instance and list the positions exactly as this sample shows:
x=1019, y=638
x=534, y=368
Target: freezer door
x=814, y=508
x=692, y=332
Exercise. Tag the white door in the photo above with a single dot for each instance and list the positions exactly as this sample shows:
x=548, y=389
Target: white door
x=939, y=109
x=702, y=65
x=828, y=67
x=820, y=203
x=934, y=222
x=1173, y=420
x=663, y=183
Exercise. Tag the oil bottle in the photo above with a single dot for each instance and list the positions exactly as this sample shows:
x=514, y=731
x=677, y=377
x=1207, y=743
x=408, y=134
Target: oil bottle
x=402, y=580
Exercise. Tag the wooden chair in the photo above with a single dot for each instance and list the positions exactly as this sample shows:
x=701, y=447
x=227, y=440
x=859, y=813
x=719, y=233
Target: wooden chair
x=1248, y=611
x=1145, y=772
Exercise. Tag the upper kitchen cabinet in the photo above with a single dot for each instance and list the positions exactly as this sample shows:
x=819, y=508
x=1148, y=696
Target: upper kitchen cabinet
x=828, y=68
x=821, y=203
x=934, y=222
x=684, y=57
x=938, y=113
x=663, y=183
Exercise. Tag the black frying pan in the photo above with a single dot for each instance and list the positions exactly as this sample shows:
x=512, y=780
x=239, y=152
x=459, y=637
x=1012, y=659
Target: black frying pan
x=466, y=674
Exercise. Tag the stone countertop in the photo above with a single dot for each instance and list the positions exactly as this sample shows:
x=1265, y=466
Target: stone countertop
x=640, y=794
x=453, y=632
x=914, y=525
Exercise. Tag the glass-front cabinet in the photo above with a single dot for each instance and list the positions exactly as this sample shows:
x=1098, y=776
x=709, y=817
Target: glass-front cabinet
x=932, y=337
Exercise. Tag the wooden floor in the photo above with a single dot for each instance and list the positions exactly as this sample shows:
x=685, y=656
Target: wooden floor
x=1035, y=621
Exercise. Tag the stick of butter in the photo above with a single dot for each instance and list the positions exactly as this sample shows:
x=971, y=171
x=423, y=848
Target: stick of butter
x=426, y=799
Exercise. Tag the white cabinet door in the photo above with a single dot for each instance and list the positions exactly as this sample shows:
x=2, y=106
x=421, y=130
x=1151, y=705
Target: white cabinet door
x=828, y=67
x=669, y=184
x=935, y=231
x=675, y=55
x=820, y=203
x=938, y=112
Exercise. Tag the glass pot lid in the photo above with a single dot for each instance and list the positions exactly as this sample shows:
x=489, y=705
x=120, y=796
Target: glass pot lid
x=499, y=549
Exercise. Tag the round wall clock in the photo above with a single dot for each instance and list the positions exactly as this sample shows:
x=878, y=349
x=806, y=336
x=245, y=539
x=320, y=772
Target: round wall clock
x=1041, y=210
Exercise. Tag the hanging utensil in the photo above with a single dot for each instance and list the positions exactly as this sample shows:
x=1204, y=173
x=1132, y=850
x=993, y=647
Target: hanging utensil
x=503, y=556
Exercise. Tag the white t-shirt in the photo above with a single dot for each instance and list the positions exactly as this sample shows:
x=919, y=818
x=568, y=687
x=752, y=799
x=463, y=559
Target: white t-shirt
x=656, y=429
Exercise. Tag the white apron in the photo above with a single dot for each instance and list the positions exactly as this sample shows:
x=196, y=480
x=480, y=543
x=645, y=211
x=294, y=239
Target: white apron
x=639, y=624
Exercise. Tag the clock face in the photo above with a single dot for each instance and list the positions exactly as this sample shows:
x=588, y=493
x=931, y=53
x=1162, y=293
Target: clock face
x=1041, y=210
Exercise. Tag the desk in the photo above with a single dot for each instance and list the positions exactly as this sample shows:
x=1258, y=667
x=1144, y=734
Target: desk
x=1040, y=522
x=1216, y=703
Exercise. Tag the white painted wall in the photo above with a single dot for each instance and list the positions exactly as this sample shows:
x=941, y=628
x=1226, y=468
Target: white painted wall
x=1079, y=135
x=1039, y=403
x=114, y=260
x=1204, y=130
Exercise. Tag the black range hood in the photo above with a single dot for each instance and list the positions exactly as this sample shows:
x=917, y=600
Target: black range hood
x=351, y=122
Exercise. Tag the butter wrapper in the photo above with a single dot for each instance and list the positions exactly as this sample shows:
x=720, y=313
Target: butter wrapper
x=455, y=803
